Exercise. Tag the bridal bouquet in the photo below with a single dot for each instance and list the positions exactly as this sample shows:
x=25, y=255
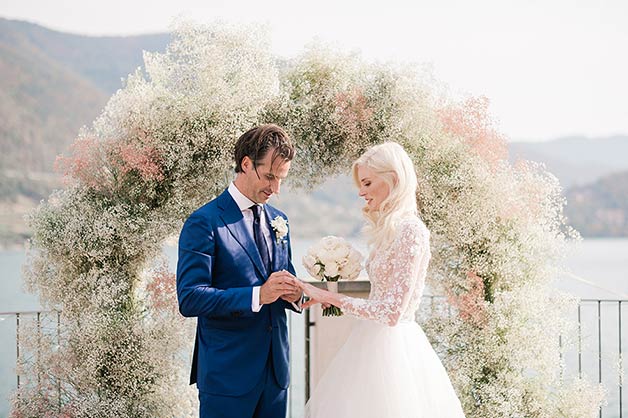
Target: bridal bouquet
x=330, y=260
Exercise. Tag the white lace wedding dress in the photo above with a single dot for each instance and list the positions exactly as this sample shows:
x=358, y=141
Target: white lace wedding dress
x=387, y=367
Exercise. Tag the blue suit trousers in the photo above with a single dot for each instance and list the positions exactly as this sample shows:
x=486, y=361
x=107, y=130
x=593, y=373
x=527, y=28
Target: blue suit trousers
x=265, y=400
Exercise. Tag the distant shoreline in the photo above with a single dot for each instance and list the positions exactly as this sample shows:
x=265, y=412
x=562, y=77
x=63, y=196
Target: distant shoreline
x=12, y=246
x=15, y=246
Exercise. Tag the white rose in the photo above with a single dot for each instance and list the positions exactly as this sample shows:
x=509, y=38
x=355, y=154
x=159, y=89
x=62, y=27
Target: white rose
x=343, y=271
x=326, y=258
x=355, y=257
x=309, y=262
x=355, y=263
x=329, y=243
x=348, y=271
x=354, y=273
x=331, y=269
x=280, y=226
x=340, y=252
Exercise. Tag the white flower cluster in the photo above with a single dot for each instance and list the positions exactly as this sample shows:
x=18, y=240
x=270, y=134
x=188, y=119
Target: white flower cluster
x=333, y=258
x=280, y=226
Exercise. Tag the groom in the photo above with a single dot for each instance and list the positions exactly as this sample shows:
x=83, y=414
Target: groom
x=236, y=276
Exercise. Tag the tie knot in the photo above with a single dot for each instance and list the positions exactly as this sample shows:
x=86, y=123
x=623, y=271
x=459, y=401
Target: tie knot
x=257, y=210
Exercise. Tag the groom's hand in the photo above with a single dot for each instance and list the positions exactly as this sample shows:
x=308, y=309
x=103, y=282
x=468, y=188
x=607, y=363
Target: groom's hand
x=293, y=296
x=279, y=283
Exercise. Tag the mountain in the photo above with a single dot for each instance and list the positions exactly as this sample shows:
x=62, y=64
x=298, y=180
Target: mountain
x=600, y=208
x=593, y=173
x=576, y=160
x=51, y=84
x=42, y=105
x=102, y=61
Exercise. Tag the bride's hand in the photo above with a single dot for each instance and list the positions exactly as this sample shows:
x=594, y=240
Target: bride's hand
x=312, y=291
x=315, y=294
x=312, y=302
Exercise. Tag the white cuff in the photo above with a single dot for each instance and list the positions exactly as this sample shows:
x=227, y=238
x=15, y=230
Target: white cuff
x=255, y=305
x=298, y=303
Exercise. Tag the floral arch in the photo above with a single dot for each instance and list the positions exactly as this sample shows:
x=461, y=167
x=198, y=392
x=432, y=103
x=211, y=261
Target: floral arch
x=162, y=147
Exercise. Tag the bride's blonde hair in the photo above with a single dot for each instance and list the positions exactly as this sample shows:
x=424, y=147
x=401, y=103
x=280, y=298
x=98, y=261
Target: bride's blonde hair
x=391, y=163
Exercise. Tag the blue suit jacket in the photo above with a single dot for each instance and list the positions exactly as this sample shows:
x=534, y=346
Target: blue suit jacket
x=218, y=266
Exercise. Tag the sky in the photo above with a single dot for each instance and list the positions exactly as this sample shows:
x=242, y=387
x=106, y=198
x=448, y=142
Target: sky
x=550, y=68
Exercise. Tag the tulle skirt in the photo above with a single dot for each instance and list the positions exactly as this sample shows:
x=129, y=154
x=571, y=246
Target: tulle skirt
x=385, y=372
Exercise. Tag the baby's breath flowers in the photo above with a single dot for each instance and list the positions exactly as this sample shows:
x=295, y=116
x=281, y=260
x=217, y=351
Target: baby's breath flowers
x=162, y=147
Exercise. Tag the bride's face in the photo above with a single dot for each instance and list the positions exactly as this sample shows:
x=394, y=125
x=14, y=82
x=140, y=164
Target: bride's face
x=373, y=188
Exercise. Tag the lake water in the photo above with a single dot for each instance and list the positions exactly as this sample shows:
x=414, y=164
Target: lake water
x=598, y=270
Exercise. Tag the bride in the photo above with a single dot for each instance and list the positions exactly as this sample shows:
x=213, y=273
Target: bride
x=387, y=367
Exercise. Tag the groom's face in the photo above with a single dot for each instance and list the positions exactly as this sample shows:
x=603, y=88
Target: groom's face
x=261, y=182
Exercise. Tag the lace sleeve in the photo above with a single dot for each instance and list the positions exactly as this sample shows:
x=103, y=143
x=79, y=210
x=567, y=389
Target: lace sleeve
x=399, y=274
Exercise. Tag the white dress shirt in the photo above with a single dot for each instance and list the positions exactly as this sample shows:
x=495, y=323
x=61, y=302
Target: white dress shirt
x=244, y=204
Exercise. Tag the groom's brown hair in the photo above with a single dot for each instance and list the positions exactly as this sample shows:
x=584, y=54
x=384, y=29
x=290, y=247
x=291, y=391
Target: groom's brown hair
x=257, y=142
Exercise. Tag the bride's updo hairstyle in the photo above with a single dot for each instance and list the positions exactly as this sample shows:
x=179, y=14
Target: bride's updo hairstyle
x=391, y=163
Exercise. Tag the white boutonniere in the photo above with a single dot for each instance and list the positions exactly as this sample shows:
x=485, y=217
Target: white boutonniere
x=280, y=226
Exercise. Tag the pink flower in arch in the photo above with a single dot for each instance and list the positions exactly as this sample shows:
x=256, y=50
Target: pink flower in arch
x=92, y=160
x=144, y=159
x=162, y=289
x=353, y=111
x=471, y=305
x=86, y=163
x=471, y=122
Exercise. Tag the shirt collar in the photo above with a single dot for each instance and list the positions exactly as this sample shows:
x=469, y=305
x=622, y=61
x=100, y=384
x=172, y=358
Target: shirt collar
x=242, y=201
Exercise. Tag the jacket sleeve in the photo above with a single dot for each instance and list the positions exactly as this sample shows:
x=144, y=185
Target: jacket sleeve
x=195, y=293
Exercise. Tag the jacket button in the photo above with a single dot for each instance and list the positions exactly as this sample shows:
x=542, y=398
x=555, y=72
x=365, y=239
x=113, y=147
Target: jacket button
x=270, y=328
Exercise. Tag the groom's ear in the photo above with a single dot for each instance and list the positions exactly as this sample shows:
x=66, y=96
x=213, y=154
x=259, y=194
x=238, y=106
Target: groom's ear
x=246, y=164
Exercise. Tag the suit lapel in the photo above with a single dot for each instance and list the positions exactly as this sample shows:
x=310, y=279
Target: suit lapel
x=234, y=221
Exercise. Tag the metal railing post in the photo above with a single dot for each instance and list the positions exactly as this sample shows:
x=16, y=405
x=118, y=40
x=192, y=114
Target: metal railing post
x=599, y=343
x=308, y=324
x=17, y=344
x=38, y=346
x=621, y=365
x=579, y=342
